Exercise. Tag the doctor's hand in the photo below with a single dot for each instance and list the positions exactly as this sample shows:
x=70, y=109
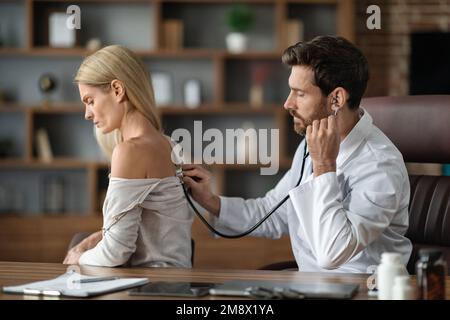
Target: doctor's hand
x=86, y=244
x=323, y=144
x=198, y=181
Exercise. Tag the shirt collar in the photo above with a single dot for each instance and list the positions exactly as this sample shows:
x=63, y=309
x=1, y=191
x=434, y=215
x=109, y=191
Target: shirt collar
x=356, y=136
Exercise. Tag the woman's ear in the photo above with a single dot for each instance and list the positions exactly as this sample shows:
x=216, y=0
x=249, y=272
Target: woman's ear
x=118, y=90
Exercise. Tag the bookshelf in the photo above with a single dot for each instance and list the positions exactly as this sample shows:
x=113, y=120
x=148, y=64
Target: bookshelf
x=29, y=233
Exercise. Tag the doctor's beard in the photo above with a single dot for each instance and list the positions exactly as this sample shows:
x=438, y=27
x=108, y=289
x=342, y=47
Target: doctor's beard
x=321, y=111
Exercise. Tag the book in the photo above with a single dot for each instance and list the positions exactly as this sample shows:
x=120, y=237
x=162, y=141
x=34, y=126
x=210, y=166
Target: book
x=43, y=148
x=172, y=34
x=294, y=31
x=69, y=285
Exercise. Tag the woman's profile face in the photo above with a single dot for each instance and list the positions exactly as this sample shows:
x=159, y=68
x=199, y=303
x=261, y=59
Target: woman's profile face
x=103, y=108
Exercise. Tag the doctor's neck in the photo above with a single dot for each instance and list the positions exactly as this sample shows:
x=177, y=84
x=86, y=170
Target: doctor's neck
x=347, y=119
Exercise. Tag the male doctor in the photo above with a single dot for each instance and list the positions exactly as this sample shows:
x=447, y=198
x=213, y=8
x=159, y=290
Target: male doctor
x=352, y=202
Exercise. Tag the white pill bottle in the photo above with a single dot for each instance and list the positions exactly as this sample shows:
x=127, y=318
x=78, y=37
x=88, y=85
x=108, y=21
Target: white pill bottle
x=391, y=266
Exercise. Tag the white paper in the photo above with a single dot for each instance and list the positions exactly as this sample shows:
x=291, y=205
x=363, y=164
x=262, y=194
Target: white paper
x=65, y=285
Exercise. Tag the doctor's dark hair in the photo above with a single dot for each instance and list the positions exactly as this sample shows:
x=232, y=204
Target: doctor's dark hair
x=336, y=62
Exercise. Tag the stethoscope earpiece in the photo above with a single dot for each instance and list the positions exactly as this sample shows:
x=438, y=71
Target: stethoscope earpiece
x=336, y=111
x=335, y=103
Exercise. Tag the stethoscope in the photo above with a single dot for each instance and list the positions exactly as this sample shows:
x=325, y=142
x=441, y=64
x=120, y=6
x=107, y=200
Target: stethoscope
x=275, y=208
x=239, y=235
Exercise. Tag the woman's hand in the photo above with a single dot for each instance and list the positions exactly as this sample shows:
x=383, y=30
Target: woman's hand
x=86, y=244
x=323, y=144
x=73, y=256
x=198, y=180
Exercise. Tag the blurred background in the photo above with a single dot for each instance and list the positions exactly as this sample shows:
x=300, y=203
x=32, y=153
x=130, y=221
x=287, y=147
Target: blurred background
x=218, y=61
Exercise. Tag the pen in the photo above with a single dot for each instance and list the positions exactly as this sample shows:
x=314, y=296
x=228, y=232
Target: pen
x=95, y=279
x=47, y=292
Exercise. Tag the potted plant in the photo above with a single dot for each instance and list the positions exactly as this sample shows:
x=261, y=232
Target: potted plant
x=239, y=20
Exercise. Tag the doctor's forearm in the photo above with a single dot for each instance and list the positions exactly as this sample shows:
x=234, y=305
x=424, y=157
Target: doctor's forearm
x=212, y=205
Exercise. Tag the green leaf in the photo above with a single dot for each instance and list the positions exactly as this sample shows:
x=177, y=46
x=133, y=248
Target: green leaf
x=239, y=18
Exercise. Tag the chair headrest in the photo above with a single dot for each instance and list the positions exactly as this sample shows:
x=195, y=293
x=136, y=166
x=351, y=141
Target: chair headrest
x=419, y=126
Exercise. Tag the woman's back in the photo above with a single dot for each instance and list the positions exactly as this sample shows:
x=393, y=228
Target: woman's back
x=164, y=232
x=146, y=220
x=143, y=157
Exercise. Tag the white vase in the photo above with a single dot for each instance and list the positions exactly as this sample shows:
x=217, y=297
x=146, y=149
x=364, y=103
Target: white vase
x=236, y=42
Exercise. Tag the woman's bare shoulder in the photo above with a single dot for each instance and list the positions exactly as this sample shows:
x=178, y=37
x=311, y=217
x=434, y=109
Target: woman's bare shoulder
x=141, y=158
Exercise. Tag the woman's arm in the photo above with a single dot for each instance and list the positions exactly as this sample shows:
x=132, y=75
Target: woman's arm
x=86, y=244
x=119, y=238
x=122, y=211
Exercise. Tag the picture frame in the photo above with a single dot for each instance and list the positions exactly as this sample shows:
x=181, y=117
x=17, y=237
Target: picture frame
x=162, y=88
x=192, y=93
x=57, y=33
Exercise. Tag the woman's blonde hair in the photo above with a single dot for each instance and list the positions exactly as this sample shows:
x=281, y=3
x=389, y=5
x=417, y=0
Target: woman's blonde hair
x=117, y=62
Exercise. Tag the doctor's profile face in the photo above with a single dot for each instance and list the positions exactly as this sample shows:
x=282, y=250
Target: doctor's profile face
x=102, y=107
x=305, y=102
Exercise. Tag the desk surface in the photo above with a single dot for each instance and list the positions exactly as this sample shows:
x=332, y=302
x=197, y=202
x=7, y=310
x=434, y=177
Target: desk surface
x=15, y=273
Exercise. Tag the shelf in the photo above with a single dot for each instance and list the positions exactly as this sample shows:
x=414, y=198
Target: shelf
x=161, y=53
x=57, y=163
x=252, y=55
x=67, y=163
x=226, y=80
x=284, y=164
x=13, y=51
x=13, y=107
x=98, y=1
x=245, y=107
x=312, y=1
x=62, y=163
x=58, y=108
x=220, y=1
x=47, y=215
x=180, y=109
x=225, y=109
x=205, y=109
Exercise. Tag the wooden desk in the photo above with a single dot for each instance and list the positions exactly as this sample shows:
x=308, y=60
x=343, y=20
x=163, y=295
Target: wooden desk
x=15, y=273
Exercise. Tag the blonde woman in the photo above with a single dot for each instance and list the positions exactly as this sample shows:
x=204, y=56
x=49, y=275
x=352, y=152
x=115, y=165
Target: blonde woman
x=146, y=221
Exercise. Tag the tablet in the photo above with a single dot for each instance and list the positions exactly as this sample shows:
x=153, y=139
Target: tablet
x=242, y=288
x=177, y=289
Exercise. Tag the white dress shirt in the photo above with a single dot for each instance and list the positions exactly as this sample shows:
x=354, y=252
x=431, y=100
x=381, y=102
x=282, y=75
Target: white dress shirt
x=341, y=221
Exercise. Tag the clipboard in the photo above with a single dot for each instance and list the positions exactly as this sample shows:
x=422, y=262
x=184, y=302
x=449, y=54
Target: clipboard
x=69, y=285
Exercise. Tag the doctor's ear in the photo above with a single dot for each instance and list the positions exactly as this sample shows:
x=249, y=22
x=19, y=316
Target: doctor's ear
x=338, y=97
x=118, y=89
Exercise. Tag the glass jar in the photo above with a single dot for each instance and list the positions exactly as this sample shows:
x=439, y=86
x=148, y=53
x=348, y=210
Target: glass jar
x=431, y=270
x=53, y=194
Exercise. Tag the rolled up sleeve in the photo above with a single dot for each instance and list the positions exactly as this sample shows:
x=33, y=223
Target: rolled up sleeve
x=122, y=218
x=118, y=242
